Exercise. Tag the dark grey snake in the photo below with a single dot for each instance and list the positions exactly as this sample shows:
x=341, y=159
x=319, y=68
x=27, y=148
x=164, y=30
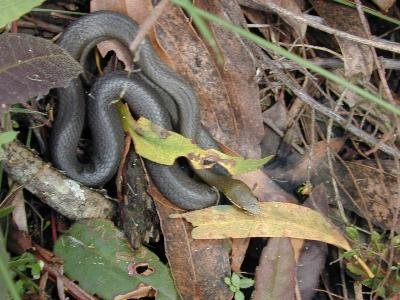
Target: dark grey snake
x=156, y=92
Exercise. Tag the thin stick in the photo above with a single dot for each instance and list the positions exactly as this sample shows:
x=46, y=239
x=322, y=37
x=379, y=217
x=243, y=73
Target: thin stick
x=310, y=21
x=305, y=97
x=335, y=63
x=146, y=26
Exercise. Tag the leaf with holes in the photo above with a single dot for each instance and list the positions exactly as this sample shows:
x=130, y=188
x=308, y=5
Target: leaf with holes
x=30, y=66
x=97, y=254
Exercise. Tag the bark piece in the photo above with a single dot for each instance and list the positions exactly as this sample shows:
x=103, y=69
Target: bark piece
x=65, y=195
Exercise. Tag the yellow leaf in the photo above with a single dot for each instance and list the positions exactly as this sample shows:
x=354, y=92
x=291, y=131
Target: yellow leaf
x=276, y=219
x=164, y=147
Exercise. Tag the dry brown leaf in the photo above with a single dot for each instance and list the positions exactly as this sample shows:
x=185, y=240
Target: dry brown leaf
x=276, y=219
x=228, y=95
x=125, y=7
x=358, y=58
x=291, y=5
x=384, y=5
x=137, y=10
x=197, y=266
x=313, y=255
x=364, y=188
x=239, y=78
x=309, y=268
x=377, y=193
x=275, y=275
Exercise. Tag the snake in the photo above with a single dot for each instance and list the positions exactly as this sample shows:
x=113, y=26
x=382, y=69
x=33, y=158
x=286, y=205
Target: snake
x=155, y=92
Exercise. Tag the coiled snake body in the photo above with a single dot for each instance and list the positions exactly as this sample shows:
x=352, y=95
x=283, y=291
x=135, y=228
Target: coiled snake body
x=142, y=91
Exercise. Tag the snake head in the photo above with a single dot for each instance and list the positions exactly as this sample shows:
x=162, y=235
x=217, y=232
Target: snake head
x=241, y=196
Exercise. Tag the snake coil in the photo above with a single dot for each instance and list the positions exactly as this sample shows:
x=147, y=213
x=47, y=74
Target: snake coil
x=156, y=93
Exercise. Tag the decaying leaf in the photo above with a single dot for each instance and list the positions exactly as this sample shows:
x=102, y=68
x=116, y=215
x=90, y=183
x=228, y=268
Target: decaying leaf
x=162, y=146
x=197, y=266
x=384, y=5
x=276, y=273
x=276, y=219
x=228, y=93
x=357, y=57
x=30, y=66
x=293, y=6
x=97, y=254
x=367, y=187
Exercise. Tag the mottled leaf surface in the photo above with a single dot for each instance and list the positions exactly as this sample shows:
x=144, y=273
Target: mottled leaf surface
x=276, y=219
x=164, y=147
x=358, y=58
x=30, y=66
x=11, y=10
x=228, y=93
x=98, y=256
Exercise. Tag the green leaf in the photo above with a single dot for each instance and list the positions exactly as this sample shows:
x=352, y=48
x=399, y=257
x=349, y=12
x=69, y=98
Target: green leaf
x=19, y=286
x=228, y=281
x=6, y=282
x=20, y=110
x=11, y=10
x=352, y=232
x=396, y=241
x=36, y=269
x=164, y=147
x=97, y=254
x=235, y=279
x=375, y=237
x=349, y=254
x=246, y=282
x=6, y=211
x=239, y=295
x=7, y=137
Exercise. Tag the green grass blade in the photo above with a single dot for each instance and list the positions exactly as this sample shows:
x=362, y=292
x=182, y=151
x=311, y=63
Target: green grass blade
x=283, y=52
x=5, y=276
x=370, y=11
x=207, y=35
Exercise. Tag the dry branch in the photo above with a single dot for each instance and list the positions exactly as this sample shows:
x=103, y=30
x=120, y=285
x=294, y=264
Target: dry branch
x=311, y=21
x=268, y=63
x=65, y=195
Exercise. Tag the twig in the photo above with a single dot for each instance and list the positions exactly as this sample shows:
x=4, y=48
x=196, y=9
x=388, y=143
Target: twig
x=63, y=194
x=310, y=21
x=335, y=63
x=299, y=92
x=148, y=24
x=379, y=67
x=44, y=25
x=330, y=158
